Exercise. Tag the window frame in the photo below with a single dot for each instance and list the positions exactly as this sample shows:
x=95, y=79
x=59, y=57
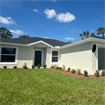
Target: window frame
x=55, y=56
x=16, y=55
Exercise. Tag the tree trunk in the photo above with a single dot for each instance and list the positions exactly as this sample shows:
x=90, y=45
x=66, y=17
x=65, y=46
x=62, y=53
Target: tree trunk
x=102, y=35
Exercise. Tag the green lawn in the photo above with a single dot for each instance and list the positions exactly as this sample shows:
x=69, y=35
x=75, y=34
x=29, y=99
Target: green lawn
x=43, y=86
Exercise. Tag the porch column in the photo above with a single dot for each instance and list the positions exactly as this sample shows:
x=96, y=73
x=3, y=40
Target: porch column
x=48, y=56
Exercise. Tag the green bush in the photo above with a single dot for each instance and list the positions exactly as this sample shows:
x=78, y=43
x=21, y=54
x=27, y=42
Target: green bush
x=15, y=67
x=38, y=66
x=45, y=66
x=52, y=66
x=60, y=68
x=96, y=73
x=5, y=67
x=103, y=73
x=85, y=73
x=68, y=69
x=55, y=66
x=24, y=67
x=73, y=70
x=33, y=66
x=78, y=71
x=63, y=68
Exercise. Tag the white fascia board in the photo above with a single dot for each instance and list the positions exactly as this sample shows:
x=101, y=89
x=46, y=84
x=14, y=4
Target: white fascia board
x=14, y=44
x=40, y=42
x=75, y=43
x=98, y=40
x=83, y=41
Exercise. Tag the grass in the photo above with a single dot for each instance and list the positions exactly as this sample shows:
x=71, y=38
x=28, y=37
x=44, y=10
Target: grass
x=43, y=86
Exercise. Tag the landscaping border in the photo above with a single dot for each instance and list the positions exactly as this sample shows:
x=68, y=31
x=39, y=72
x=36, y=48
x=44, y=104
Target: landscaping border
x=78, y=76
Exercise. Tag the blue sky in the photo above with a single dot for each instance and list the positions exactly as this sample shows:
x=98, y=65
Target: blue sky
x=56, y=19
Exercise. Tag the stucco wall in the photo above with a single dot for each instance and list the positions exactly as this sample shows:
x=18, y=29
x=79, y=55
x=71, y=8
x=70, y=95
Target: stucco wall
x=95, y=56
x=79, y=56
x=26, y=55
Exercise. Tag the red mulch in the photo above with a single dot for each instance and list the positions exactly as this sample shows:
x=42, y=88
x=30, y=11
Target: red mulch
x=78, y=76
x=13, y=68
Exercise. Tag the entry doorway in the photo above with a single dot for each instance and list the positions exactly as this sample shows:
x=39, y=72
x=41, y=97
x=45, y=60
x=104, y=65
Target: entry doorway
x=38, y=57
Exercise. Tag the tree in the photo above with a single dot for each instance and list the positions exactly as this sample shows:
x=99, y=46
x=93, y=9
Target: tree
x=24, y=36
x=4, y=33
x=87, y=35
x=101, y=30
x=92, y=34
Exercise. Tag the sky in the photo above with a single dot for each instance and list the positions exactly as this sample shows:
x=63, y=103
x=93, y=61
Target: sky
x=63, y=20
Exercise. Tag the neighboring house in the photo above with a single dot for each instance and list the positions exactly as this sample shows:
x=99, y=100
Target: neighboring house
x=18, y=51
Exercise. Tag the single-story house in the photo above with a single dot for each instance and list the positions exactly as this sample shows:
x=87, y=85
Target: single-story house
x=87, y=54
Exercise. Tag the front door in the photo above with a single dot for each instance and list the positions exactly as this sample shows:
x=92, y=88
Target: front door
x=38, y=56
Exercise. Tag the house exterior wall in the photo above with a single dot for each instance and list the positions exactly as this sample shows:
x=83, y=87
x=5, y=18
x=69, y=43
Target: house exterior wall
x=79, y=56
x=95, y=56
x=26, y=55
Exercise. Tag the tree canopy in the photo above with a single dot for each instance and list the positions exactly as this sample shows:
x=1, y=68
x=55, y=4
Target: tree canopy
x=101, y=30
x=24, y=36
x=86, y=35
x=5, y=33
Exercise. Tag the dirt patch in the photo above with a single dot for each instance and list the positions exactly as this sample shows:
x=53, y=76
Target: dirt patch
x=78, y=76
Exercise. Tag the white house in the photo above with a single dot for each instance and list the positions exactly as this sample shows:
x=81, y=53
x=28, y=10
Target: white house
x=87, y=54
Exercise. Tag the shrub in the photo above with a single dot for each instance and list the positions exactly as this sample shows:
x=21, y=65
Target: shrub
x=85, y=73
x=45, y=66
x=73, y=70
x=68, y=69
x=103, y=73
x=33, y=66
x=78, y=71
x=55, y=66
x=15, y=67
x=63, y=68
x=24, y=67
x=52, y=66
x=38, y=66
x=96, y=73
x=60, y=68
x=5, y=67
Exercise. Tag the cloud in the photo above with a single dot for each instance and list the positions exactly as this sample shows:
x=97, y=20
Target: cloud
x=50, y=13
x=46, y=0
x=6, y=20
x=35, y=0
x=35, y=10
x=62, y=17
x=46, y=37
x=67, y=38
x=92, y=31
x=67, y=17
x=18, y=32
x=54, y=0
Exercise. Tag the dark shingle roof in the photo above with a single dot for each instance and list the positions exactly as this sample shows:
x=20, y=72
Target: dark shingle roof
x=52, y=42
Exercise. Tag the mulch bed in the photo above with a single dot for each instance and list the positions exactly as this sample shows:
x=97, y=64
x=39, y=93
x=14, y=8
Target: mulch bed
x=13, y=68
x=78, y=76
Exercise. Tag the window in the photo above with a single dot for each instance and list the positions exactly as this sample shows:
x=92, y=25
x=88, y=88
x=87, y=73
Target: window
x=8, y=54
x=54, y=56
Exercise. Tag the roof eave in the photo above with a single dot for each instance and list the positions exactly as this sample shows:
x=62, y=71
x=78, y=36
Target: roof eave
x=83, y=41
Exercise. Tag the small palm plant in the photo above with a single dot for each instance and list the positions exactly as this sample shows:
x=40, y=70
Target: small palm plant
x=101, y=30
